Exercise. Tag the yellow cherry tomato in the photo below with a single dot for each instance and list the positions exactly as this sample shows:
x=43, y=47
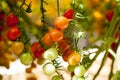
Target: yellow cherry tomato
x=17, y=47
x=73, y=58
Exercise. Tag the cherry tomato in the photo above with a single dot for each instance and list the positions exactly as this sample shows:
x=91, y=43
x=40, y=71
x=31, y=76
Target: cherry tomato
x=47, y=40
x=63, y=45
x=13, y=33
x=34, y=46
x=17, y=47
x=69, y=13
x=49, y=69
x=56, y=35
x=12, y=20
x=2, y=28
x=26, y=58
x=109, y=15
x=50, y=54
x=66, y=54
x=37, y=50
x=2, y=15
x=74, y=58
x=61, y=22
x=79, y=70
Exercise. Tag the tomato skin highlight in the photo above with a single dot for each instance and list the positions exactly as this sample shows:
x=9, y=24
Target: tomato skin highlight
x=12, y=20
x=61, y=23
x=69, y=13
x=13, y=33
x=56, y=35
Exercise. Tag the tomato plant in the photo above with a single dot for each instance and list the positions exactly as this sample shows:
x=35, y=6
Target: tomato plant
x=61, y=22
x=17, y=47
x=47, y=40
x=56, y=35
x=69, y=13
x=74, y=58
x=13, y=33
x=12, y=20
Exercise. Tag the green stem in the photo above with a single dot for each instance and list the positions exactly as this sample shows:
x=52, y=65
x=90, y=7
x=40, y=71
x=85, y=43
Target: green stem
x=42, y=12
x=58, y=8
x=101, y=66
x=112, y=65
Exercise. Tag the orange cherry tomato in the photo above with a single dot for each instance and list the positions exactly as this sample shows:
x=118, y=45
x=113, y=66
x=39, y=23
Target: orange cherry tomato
x=17, y=47
x=56, y=35
x=74, y=58
x=66, y=54
x=47, y=40
x=61, y=22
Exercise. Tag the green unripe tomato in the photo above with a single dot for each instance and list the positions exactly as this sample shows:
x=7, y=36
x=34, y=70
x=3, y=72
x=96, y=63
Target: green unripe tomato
x=26, y=58
x=50, y=54
x=49, y=69
x=79, y=70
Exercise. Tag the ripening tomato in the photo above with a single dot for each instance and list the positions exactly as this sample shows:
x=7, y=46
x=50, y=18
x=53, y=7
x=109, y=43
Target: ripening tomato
x=12, y=20
x=61, y=22
x=47, y=40
x=63, y=45
x=13, y=33
x=66, y=54
x=69, y=13
x=109, y=15
x=2, y=15
x=56, y=35
x=74, y=58
x=17, y=47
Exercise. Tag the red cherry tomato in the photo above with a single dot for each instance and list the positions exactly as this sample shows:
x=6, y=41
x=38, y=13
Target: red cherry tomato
x=12, y=20
x=13, y=33
x=34, y=46
x=47, y=40
x=56, y=35
x=63, y=45
x=61, y=22
x=2, y=15
x=69, y=13
x=109, y=15
x=37, y=50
